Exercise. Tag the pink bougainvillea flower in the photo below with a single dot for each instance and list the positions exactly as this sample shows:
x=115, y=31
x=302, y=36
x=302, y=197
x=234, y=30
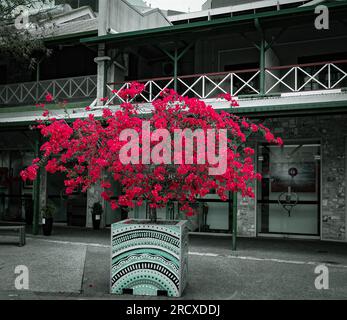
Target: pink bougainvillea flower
x=49, y=97
x=45, y=113
x=279, y=141
x=234, y=103
x=106, y=185
x=30, y=173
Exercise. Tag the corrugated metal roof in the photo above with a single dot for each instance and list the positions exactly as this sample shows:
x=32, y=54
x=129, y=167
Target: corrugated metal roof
x=73, y=27
x=251, y=5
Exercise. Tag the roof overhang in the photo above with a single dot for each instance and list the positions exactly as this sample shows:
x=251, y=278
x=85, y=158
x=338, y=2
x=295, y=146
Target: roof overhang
x=191, y=29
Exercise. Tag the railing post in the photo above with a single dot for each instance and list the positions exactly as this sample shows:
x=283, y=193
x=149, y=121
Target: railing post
x=232, y=84
x=70, y=80
x=203, y=87
x=21, y=93
x=54, y=88
x=87, y=86
x=329, y=75
x=150, y=91
x=296, y=78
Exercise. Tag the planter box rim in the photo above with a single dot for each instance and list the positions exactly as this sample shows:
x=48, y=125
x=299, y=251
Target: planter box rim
x=146, y=222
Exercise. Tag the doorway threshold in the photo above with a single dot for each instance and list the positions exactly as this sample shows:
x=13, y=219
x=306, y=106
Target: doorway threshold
x=288, y=236
x=212, y=234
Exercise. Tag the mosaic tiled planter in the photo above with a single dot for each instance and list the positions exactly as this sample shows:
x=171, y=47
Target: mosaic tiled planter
x=149, y=259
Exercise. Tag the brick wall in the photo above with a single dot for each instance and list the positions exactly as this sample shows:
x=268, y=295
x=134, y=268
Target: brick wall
x=331, y=131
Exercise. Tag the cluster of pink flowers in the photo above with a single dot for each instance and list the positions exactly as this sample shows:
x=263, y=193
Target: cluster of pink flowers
x=134, y=90
x=88, y=149
x=30, y=173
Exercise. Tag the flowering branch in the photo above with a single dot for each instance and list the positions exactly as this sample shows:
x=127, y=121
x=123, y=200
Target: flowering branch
x=137, y=152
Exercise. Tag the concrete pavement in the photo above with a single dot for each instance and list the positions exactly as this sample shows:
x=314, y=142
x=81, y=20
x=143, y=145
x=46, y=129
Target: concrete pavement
x=74, y=264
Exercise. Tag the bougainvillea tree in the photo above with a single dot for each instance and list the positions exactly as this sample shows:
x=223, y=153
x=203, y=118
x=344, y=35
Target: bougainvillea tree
x=178, y=151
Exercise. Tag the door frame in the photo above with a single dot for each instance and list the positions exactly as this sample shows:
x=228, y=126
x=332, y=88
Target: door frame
x=319, y=195
x=345, y=187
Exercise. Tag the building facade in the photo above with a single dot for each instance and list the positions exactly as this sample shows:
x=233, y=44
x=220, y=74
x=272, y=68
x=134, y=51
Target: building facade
x=279, y=59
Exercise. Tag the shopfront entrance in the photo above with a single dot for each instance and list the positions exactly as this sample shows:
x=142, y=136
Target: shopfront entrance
x=288, y=198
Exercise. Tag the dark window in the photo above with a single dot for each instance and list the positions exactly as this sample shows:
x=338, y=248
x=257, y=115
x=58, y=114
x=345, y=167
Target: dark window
x=323, y=58
x=3, y=74
x=240, y=67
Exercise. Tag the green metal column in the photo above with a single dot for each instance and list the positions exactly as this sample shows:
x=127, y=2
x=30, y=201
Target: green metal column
x=37, y=81
x=234, y=221
x=262, y=66
x=176, y=57
x=262, y=48
x=175, y=69
x=36, y=193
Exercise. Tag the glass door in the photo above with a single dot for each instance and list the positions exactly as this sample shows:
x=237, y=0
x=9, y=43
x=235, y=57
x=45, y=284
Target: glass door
x=289, y=195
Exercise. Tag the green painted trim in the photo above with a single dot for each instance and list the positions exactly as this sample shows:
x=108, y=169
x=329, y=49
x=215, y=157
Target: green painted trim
x=290, y=107
x=262, y=50
x=196, y=25
x=29, y=108
x=256, y=96
x=280, y=109
x=52, y=107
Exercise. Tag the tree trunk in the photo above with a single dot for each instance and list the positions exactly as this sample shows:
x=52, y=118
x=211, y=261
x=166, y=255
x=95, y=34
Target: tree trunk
x=153, y=215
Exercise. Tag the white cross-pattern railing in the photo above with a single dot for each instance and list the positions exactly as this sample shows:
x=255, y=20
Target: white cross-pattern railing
x=152, y=90
x=203, y=86
x=209, y=86
x=306, y=77
x=61, y=89
x=276, y=80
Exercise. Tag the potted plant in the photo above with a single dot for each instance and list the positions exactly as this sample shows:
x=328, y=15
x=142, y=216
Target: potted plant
x=47, y=218
x=97, y=212
x=149, y=257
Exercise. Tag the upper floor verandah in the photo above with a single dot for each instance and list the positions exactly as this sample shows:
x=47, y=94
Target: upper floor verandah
x=270, y=54
x=295, y=80
x=303, y=79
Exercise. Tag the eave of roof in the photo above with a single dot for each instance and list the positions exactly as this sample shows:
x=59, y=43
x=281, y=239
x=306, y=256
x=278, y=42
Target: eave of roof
x=73, y=37
x=302, y=109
